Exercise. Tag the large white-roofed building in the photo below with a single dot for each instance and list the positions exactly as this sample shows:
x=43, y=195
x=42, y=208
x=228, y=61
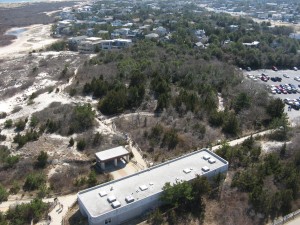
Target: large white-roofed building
x=121, y=200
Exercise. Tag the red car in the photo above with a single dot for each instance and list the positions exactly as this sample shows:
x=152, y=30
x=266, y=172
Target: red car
x=263, y=78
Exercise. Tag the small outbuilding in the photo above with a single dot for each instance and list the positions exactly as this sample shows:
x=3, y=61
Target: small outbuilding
x=112, y=154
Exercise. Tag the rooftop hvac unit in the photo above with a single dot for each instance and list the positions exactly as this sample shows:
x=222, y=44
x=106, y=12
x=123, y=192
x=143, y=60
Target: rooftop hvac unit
x=116, y=204
x=129, y=199
x=102, y=193
x=111, y=199
x=211, y=161
x=205, y=168
x=206, y=157
x=143, y=187
x=187, y=170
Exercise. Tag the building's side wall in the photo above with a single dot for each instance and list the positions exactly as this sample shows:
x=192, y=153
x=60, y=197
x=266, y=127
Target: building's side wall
x=81, y=208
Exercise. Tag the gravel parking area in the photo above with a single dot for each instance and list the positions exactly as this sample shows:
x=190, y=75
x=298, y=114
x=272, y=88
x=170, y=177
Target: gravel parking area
x=294, y=115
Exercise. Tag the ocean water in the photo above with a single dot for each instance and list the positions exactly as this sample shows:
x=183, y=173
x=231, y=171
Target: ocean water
x=20, y=1
x=16, y=31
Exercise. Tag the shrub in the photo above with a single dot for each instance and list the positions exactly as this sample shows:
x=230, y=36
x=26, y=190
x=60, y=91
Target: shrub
x=20, y=125
x=92, y=179
x=3, y=115
x=12, y=160
x=72, y=92
x=23, y=214
x=41, y=161
x=3, y=194
x=34, y=181
x=34, y=121
x=82, y=118
x=98, y=138
x=21, y=140
x=2, y=137
x=8, y=123
x=81, y=144
x=71, y=142
x=15, y=188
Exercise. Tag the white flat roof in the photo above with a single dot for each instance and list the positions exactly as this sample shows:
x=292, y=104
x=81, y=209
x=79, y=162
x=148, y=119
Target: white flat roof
x=93, y=39
x=112, y=153
x=148, y=182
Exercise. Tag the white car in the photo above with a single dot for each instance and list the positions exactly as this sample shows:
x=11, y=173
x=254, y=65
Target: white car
x=295, y=68
x=286, y=76
x=273, y=92
x=297, y=78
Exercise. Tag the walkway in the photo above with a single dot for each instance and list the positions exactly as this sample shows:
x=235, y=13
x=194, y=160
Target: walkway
x=61, y=208
x=241, y=140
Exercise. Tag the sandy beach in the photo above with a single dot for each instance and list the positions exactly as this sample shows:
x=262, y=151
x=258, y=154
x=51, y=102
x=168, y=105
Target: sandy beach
x=26, y=26
x=33, y=38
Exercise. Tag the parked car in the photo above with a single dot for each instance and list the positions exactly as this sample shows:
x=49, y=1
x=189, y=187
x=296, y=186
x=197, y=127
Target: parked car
x=248, y=68
x=296, y=106
x=286, y=76
x=286, y=100
x=297, y=78
x=292, y=86
x=278, y=91
x=274, y=68
x=264, y=78
x=295, y=68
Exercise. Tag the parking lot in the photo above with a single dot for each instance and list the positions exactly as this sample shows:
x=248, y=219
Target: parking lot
x=255, y=76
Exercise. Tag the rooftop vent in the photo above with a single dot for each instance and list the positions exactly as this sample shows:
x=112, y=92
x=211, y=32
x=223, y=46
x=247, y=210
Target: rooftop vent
x=151, y=184
x=205, y=168
x=129, y=199
x=116, y=204
x=102, y=193
x=111, y=199
x=211, y=161
x=143, y=187
x=206, y=157
x=187, y=170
